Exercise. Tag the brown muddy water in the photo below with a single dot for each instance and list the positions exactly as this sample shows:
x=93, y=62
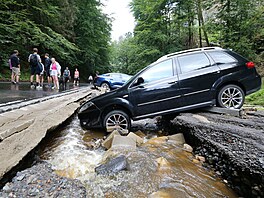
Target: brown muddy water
x=158, y=168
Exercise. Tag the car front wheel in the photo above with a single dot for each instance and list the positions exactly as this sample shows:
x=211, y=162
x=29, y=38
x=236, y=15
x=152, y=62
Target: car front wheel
x=117, y=120
x=231, y=97
x=105, y=86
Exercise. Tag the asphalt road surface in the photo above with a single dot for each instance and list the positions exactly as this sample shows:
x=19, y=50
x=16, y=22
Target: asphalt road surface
x=11, y=93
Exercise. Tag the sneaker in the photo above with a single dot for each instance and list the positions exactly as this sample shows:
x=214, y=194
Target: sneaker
x=13, y=82
x=38, y=87
x=32, y=86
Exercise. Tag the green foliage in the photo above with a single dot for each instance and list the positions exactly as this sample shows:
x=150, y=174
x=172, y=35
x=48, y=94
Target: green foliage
x=75, y=32
x=256, y=98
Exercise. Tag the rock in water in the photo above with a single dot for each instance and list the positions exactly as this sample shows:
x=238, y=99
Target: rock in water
x=113, y=166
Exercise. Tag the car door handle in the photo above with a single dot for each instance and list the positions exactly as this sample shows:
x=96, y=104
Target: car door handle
x=173, y=82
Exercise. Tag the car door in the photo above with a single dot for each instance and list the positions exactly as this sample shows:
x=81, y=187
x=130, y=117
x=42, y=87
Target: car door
x=115, y=79
x=159, y=93
x=196, y=78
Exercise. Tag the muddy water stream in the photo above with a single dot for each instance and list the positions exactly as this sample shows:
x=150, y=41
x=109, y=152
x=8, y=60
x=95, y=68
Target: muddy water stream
x=158, y=168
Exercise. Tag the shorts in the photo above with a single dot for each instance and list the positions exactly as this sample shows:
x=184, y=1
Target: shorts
x=16, y=71
x=35, y=70
x=47, y=72
x=76, y=79
x=54, y=73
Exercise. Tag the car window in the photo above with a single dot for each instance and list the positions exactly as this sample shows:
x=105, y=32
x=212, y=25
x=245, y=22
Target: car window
x=193, y=62
x=158, y=71
x=221, y=57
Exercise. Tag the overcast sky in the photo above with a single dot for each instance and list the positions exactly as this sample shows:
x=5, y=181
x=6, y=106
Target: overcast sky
x=123, y=19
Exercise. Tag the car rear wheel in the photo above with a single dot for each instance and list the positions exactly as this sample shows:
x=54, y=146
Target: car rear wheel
x=105, y=86
x=231, y=97
x=117, y=120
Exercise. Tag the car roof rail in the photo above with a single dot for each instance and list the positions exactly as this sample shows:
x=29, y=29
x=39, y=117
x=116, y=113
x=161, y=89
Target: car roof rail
x=189, y=50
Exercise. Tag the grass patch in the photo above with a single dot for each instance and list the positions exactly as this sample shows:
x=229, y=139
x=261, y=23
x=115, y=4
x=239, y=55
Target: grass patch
x=256, y=98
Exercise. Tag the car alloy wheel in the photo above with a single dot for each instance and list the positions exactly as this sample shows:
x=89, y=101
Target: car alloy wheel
x=105, y=86
x=231, y=96
x=117, y=120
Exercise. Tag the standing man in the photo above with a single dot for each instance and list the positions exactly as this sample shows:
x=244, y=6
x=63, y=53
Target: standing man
x=47, y=69
x=66, y=76
x=33, y=60
x=14, y=60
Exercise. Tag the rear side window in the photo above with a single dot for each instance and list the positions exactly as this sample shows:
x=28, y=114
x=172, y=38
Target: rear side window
x=158, y=71
x=193, y=62
x=221, y=57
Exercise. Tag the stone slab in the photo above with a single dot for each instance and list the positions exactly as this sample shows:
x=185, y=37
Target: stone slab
x=47, y=115
x=123, y=142
x=232, y=112
x=15, y=129
x=136, y=138
x=108, y=141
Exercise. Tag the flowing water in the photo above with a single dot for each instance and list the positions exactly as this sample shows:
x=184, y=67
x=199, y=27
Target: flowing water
x=158, y=168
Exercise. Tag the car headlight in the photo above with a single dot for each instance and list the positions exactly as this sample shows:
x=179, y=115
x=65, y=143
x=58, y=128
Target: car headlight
x=86, y=106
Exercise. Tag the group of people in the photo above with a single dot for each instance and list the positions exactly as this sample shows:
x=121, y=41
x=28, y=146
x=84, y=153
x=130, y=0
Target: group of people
x=51, y=69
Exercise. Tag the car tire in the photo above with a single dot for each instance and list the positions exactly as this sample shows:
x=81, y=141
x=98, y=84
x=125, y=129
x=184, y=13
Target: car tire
x=105, y=86
x=231, y=97
x=117, y=120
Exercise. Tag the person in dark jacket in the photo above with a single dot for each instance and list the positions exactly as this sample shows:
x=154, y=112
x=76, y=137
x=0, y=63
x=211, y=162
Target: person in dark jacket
x=14, y=61
x=47, y=64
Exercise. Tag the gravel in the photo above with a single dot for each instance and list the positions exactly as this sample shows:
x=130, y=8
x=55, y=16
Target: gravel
x=41, y=181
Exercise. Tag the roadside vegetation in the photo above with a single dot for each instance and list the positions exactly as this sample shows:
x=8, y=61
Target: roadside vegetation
x=75, y=32
x=256, y=98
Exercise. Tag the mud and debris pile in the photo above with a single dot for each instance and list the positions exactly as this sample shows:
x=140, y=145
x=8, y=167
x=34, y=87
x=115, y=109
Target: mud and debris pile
x=232, y=146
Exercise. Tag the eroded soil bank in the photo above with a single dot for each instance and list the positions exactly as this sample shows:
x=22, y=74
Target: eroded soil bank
x=232, y=146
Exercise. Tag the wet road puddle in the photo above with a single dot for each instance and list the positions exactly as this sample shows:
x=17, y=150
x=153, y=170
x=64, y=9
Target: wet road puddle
x=157, y=169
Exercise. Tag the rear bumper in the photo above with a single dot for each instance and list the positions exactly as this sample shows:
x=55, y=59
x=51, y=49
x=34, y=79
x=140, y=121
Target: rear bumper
x=252, y=84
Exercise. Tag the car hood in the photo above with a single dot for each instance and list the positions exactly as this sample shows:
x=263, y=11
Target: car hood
x=106, y=96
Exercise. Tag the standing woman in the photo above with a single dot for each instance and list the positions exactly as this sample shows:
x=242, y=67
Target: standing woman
x=76, y=77
x=55, y=71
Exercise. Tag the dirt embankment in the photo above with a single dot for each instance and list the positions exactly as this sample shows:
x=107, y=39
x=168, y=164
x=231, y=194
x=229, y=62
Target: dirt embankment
x=232, y=146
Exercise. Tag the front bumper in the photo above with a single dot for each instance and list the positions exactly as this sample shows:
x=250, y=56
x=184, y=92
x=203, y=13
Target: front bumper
x=89, y=115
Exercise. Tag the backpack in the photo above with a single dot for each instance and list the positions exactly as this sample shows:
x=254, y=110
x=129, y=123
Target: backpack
x=34, y=60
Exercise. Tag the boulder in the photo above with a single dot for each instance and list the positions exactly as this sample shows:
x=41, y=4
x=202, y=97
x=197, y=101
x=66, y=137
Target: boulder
x=136, y=138
x=200, y=158
x=177, y=138
x=187, y=148
x=113, y=166
x=108, y=141
x=123, y=142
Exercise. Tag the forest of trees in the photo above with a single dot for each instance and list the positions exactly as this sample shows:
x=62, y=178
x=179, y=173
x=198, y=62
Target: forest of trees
x=77, y=33
x=165, y=26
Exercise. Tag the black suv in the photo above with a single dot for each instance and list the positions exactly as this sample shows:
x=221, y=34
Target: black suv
x=174, y=83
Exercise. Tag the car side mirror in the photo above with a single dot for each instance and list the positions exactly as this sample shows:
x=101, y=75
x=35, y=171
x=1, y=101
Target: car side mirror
x=139, y=81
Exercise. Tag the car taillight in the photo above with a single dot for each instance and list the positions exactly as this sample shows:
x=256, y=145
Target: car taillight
x=250, y=65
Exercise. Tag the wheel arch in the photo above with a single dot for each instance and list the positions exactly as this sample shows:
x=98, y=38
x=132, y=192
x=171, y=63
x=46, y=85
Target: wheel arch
x=112, y=107
x=104, y=82
x=220, y=86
